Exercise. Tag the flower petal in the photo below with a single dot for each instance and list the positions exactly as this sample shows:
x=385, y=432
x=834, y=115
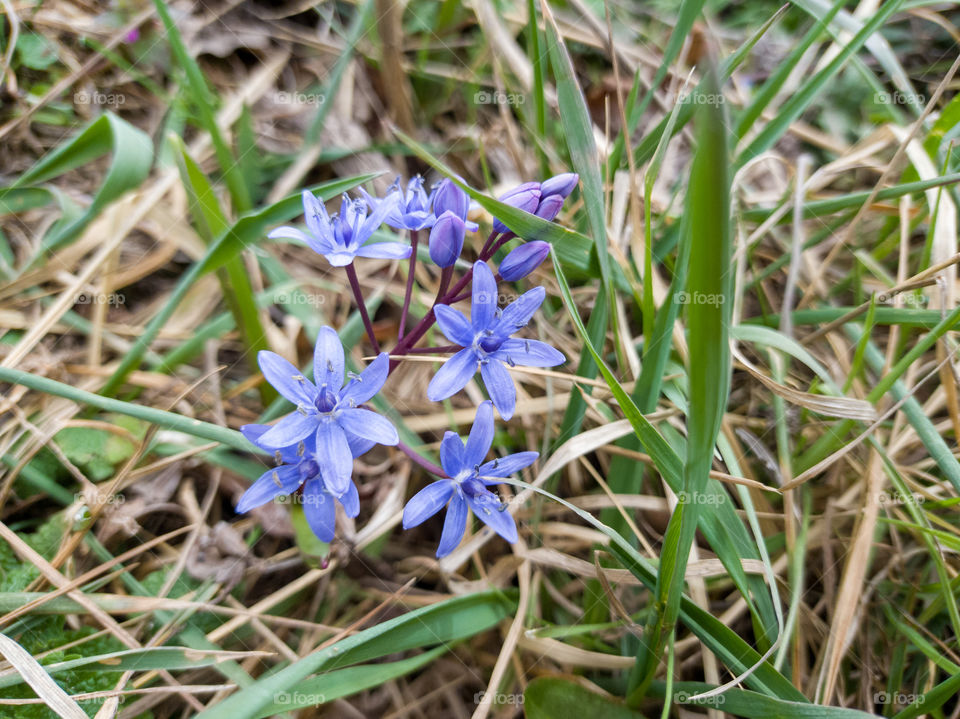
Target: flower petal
x=499, y=385
x=319, y=509
x=505, y=466
x=484, y=297
x=359, y=446
x=315, y=214
x=364, y=386
x=328, y=359
x=289, y=431
x=454, y=325
x=481, y=436
x=376, y=218
x=272, y=483
x=287, y=379
x=451, y=454
x=453, y=375
x=488, y=508
x=427, y=502
x=351, y=501
x=453, y=526
x=339, y=258
x=517, y=314
x=385, y=251
x=368, y=425
x=528, y=353
x=253, y=433
x=289, y=233
x=333, y=454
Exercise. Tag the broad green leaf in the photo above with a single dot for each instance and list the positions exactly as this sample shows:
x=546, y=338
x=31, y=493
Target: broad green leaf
x=447, y=621
x=330, y=686
x=132, y=156
x=558, y=698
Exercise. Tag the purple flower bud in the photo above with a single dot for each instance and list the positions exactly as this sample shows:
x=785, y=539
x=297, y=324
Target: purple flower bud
x=449, y=197
x=550, y=207
x=446, y=239
x=523, y=260
x=559, y=184
x=525, y=197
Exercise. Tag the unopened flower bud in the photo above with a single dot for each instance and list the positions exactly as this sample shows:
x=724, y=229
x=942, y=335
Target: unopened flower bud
x=446, y=239
x=559, y=184
x=523, y=260
x=449, y=197
x=525, y=197
x=550, y=207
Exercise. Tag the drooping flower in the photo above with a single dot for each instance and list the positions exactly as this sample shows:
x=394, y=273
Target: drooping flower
x=345, y=236
x=329, y=410
x=466, y=485
x=299, y=467
x=411, y=210
x=523, y=260
x=487, y=343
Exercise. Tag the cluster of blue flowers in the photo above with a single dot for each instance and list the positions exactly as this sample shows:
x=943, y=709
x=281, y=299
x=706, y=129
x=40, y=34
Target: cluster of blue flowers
x=315, y=445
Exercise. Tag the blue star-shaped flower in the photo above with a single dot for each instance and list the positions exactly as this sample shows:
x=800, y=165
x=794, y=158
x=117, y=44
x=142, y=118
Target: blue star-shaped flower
x=300, y=467
x=329, y=409
x=486, y=342
x=411, y=211
x=466, y=485
x=344, y=236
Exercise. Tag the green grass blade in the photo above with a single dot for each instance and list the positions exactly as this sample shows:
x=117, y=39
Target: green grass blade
x=203, y=100
x=710, y=302
x=801, y=99
x=211, y=222
x=167, y=420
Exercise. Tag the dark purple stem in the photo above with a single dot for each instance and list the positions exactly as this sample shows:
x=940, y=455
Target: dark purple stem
x=362, y=306
x=414, y=241
x=429, y=466
x=446, y=274
x=420, y=329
